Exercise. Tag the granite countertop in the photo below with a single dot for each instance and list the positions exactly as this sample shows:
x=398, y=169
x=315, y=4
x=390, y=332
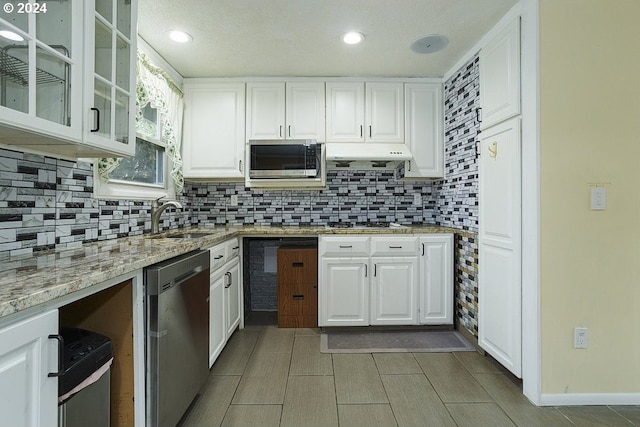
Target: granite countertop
x=27, y=281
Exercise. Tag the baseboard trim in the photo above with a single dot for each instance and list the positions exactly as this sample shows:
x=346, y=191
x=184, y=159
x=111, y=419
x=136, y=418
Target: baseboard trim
x=580, y=399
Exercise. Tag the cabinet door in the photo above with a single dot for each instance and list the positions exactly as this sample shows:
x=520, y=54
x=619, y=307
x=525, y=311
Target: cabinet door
x=217, y=325
x=305, y=111
x=345, y=112
x=424, y=130
x=37, y=74
x=394, y=291
x=384, y=112
x=232, y=297
x=499, y=245
x=213, y=137
x=344, y=292
x=110, y=75
x=436, y=279
x=500, y=76
x=265, y=111
x=28, y=396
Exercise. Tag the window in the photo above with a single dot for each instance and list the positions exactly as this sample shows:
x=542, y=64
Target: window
x=155, y=169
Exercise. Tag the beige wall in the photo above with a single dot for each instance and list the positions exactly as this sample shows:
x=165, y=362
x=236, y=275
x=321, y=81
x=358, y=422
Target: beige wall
x=590, y=133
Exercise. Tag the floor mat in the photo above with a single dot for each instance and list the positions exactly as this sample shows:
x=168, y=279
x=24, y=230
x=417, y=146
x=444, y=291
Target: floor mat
x=392, y=341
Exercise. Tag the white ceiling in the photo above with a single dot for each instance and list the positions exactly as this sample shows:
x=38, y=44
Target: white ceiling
x=243, y=38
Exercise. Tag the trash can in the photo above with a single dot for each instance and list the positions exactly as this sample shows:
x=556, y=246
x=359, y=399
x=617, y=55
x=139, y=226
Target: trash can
x=83, y=389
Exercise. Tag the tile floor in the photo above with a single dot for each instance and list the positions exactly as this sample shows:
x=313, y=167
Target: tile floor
x=277, y=377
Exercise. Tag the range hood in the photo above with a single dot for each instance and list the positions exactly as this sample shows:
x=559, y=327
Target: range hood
x=367, y=151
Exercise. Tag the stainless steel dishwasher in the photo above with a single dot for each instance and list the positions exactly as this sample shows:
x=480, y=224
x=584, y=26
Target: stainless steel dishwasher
x=177, y=311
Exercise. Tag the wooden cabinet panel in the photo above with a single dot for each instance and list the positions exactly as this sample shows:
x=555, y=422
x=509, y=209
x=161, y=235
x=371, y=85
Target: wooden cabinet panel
x=297, y=287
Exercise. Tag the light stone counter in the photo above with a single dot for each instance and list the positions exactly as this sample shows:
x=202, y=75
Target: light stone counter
x=28, y=281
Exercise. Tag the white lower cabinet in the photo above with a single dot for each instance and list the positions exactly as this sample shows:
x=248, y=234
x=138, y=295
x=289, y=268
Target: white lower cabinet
x=217, y=327
x=436, y=279
x=225, y=295
x=343, y=292
x=232, y=297
x=28, y=395
x=394, y=291
x=404, y=280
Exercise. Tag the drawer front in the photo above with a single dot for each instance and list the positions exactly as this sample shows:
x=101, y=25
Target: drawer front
x=218, y=256
x=233, y=248
x=298, y=265
x=394, y=246
x=344, y=246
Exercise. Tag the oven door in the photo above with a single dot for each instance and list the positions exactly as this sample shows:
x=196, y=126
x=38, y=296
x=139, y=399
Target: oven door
x=281, y=160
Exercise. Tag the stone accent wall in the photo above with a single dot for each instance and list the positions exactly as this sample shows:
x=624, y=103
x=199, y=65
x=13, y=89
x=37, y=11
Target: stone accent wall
x=457, y=195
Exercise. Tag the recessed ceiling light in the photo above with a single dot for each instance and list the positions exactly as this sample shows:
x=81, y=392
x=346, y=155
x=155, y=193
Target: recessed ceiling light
x=180, y=36
x=352, y=37
x=10, y=35
x=429, y=44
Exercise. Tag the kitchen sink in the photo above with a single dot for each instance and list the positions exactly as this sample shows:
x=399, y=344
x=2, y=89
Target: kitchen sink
x=194, y=235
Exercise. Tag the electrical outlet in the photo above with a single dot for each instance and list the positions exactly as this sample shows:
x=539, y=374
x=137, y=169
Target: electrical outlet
x=581, y=338
x=598, y=198
x=417, y=199
x=234, y=200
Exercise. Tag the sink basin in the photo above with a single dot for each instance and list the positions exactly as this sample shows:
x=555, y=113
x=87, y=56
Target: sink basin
x=182, y=236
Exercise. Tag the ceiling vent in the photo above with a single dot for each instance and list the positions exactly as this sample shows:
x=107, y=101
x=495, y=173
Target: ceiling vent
x=429, y=44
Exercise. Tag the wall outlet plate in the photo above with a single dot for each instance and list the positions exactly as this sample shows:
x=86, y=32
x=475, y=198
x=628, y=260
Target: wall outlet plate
x=581, y=338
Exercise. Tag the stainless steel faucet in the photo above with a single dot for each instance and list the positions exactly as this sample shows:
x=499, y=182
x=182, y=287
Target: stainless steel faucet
x=156, y=211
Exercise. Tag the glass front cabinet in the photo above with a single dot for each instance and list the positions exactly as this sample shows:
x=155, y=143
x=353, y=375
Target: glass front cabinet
x=68, y=88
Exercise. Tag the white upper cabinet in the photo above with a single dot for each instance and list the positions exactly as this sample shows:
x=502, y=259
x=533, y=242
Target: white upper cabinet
x=424, y=132
x=110, y=75
x=276, y=110
x=359, y=112
x=500, y=76
x=384, y=112
x=68, y=88
x=305, y=110
x=213, y=135
x=37, y=72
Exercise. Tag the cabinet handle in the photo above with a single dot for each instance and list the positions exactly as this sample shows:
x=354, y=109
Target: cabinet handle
x=280, y=132
x=375, y=270
x=289, y=130
x=345, y=246
x=360, y=131
x=395, y=247
x=240, y=165
x=365, y=270
x=218, y=257
x=297, y=264
x=422, y=249
x=60, y=356
x=479, y=114
x=369, y=131
x=97, y=121
x=229, y=275
x=298, y=297
x=235, y=248
x=409, y=165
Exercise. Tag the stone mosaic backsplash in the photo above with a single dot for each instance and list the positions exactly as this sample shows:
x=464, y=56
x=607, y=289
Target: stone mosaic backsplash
x=355, y=196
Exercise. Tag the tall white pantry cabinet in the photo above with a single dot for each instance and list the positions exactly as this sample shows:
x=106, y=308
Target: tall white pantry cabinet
x=499, y=169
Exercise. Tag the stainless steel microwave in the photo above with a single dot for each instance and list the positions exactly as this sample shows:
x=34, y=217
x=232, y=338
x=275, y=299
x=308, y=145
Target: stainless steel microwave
x=284, y=159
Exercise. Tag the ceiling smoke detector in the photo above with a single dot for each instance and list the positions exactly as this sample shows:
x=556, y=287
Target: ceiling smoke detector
x=429, y=44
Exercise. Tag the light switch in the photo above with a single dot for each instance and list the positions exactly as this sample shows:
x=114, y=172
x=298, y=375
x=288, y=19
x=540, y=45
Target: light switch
x=598, y=198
